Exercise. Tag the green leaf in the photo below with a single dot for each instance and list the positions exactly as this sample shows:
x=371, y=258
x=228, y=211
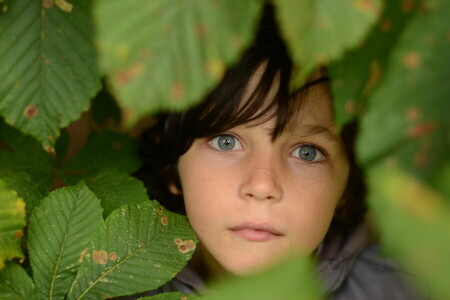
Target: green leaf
x=171, y=296
x=141, y=247
x=114, y=189
x=415, y=223
x=47, y=66
x=105, y=150
x=407, y=118
x=177, y=52
x=15, y=284
x=60, y=229
x=289, y=280
x=357, y=75
x=318, y=32
x=12, y=221
x=25, y=166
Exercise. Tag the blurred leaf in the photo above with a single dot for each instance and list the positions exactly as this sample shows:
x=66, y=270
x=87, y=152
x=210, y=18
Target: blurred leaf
x=60, y=229
x=407, y=119
x=15, y=284
x=178, y=50
x=25, y=166
x=137, y=239
x=104, y=150
x=415, y=224
x=289, y=280
x=12, y=221
x=47, y=66
x=360, y=71
x=171, y=296
x=114, y=189
x=318, y=32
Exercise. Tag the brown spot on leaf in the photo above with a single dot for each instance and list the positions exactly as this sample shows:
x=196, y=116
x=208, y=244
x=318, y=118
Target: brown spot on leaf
x=64, y=5
x=177, y=241
x=186, y=246
x=412, y=60
x=31, y=111
x=374, y=77
x=117, y=145
x=164, y=220
x=350, y=107
x=113, y=256
x=200, y=31
x=421, y=130
x=183, y=298
x=100, y=257
x=407, y=6
x=413, y=113
x=50, y=150
x=105, y=296
x=177, y=91
x=366, y=5
x=386, y=26
x=48, y=3
x=132, y=72
x=18, y=234
x=83, y=254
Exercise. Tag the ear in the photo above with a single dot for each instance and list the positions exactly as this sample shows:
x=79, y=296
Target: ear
x=174, y=190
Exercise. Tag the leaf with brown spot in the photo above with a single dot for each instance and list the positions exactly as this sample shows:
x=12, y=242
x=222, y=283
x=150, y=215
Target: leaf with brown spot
x=133, y=233
x=190, y=48
x=54, y=78
x=57, y=244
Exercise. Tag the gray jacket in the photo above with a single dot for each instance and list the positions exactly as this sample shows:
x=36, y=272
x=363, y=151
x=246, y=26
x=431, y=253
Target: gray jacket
x=349, y=268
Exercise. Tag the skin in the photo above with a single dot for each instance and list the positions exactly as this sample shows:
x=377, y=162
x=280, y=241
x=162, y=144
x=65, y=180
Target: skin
x=260, y=181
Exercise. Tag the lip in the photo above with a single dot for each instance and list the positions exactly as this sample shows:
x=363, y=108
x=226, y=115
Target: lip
x=256, y=232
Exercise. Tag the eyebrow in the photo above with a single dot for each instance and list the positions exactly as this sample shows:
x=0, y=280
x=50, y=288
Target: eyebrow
x=311, y=130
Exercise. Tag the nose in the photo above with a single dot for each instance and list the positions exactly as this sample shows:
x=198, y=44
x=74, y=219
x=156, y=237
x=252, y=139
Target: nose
x=261, y=184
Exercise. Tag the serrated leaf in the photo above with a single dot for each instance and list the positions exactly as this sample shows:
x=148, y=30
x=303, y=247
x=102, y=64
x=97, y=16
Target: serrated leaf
x=47, y=66
x=290, y=279
x=115, y=188
x=318, y=32
x=12, y=221
x=360, y=71
x=25, y=166
x=60, y=229
x=407, y=118
x=104, y=150
x=15, y=284
x=415, y=222
x=141, y=247
x=177, y=52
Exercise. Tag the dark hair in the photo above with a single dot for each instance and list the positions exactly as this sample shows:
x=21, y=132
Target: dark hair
x=224, y=108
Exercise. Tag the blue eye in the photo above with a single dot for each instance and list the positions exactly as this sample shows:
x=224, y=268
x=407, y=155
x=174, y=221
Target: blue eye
x=225, y=142
x=308, y=153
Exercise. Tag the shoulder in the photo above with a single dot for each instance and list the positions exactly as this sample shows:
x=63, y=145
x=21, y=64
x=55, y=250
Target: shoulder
x=351, y=268
x=373, y=276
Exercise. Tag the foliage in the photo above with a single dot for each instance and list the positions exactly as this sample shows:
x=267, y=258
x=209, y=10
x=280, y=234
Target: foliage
x=389, y=63
x=12, y=221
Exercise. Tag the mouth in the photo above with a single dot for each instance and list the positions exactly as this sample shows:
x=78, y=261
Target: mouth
x=256, y=232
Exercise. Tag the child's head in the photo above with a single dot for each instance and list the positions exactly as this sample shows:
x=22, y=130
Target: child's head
x=260, y=172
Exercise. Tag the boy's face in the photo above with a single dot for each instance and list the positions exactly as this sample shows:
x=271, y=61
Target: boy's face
x=251, y=200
